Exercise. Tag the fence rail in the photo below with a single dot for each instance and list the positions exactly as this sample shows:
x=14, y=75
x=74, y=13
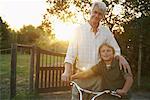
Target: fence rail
x=5, y=51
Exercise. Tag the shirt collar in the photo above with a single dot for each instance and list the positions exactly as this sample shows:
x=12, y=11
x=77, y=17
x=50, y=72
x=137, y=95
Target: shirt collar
x=113, y=63
x=90, y=27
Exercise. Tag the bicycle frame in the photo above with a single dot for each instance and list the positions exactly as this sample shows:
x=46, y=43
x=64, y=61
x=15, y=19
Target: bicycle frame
x=96, y=94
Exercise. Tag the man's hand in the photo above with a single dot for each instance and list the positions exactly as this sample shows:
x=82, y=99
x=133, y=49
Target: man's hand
x=67, y=73
x=124, y=64
x=65, y=77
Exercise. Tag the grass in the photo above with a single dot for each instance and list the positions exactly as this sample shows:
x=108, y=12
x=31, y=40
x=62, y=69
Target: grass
x=4, y=76
x=22, y=74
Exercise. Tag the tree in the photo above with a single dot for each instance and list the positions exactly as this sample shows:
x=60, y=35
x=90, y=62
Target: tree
x=28, y=34
x=4, y=35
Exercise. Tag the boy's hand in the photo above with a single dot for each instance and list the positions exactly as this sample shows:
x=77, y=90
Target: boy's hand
x=121, y=92
x=74, y=76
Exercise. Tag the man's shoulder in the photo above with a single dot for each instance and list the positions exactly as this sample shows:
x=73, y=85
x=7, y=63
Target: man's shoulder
x=105, y=28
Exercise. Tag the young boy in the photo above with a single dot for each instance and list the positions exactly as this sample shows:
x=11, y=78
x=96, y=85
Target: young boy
x=112, y=77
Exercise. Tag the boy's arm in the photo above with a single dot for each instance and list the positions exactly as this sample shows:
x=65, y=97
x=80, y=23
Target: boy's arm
x=127, y=85
x=81, y=75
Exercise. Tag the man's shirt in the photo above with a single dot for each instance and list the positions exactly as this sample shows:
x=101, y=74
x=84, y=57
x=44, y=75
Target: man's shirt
x=85, y=45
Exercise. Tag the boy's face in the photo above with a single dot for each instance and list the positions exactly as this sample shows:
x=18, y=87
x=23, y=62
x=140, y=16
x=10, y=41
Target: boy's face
x=106, y=53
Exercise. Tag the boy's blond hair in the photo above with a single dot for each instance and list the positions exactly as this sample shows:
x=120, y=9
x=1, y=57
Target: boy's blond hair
x=105, y=44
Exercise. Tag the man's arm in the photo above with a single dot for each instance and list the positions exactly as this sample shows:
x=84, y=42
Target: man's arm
x=69, y=61
x=127, y=85
x=122, y=61
x=67, y=72
x=70, y=58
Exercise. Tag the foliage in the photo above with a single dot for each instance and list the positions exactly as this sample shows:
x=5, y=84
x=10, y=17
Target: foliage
x=5, y=37
x=136, y=8
x=59, y=46
x=66, y=10
x=45, y=41
x=50, y=43
x=28, y=34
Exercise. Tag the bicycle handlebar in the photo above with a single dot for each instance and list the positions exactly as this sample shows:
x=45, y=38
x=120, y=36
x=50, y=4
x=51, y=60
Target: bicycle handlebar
x=114, y=93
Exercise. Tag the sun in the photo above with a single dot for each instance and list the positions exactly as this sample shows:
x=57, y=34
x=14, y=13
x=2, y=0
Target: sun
x=63, y=31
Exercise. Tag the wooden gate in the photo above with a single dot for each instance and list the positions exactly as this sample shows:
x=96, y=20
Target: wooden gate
x=46, y=68
x=49, y=67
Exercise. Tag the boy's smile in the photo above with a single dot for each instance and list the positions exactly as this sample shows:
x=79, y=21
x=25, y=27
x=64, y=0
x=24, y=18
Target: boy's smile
x=106, y=53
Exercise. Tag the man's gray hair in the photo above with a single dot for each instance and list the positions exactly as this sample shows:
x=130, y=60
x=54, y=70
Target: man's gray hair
x=101, y=5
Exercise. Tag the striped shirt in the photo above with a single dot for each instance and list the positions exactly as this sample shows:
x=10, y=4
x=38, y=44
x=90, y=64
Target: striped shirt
x=85, y=45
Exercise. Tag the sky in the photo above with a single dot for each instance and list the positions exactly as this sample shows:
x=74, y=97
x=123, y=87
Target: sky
x=22, y=12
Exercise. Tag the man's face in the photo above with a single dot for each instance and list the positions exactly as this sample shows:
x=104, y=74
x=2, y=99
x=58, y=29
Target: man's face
x=106, y=53
x=96, y=14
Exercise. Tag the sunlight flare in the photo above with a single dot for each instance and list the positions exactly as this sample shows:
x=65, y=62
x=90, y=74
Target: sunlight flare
x=63, y=31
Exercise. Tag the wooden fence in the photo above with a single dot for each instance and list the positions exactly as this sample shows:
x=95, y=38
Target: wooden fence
x=46, y=68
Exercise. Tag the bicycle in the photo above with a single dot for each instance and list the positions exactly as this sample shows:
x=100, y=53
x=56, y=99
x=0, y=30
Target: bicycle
x=96, y=94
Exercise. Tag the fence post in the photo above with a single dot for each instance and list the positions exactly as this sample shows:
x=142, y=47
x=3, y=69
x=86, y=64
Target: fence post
x=37, y=68
x=13, y=70
x=32, y=68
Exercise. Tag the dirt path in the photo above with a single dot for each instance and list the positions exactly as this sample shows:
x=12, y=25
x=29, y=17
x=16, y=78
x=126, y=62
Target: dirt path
x=56, y=96
x=141, y=96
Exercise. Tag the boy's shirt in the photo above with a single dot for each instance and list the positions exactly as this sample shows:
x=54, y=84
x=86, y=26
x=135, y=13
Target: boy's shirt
x=112, y=76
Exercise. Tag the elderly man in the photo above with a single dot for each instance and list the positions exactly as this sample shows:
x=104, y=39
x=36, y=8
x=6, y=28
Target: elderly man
x=88, y=37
